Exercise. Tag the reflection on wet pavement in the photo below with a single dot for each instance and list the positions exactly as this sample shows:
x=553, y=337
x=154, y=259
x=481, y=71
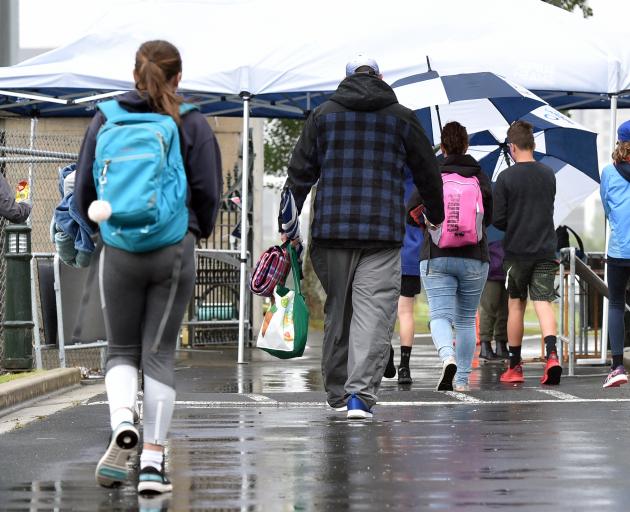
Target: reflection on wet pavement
x=423, y=449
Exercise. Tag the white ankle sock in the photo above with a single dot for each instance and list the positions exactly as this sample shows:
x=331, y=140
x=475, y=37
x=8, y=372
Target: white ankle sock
x=151, y=458
x=121, y=383
x=158, y=410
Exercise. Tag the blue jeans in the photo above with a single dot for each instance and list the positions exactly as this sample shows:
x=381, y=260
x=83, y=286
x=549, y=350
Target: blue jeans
x=453, y=287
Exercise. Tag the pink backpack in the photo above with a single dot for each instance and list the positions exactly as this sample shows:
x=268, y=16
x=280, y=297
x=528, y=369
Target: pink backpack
x=463, y=212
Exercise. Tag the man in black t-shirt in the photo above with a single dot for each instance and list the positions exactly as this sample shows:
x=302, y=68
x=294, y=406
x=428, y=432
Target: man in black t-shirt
x=524, y=197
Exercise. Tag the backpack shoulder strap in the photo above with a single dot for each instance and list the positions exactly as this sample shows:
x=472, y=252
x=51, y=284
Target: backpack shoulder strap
x=111, y=109
x=184, y=108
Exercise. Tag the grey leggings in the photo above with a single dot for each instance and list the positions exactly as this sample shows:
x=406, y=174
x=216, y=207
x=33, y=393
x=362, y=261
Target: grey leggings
x=135, y=293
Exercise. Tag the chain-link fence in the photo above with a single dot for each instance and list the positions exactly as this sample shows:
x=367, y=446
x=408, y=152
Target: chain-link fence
x=24, y=155
x=38, y=157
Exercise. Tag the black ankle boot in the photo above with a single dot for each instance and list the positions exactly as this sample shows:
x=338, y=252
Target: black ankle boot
x=486, y=351
x=502, y=350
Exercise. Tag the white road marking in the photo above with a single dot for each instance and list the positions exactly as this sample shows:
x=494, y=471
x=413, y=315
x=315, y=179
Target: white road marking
x=261, y=398
x=558, y=394
x=463, y=397
x=201, y=404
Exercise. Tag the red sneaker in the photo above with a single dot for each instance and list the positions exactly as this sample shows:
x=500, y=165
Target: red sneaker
x=513, y=374
x=553, y=371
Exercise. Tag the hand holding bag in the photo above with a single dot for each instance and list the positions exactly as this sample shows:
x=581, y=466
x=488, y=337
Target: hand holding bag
x=285, y=328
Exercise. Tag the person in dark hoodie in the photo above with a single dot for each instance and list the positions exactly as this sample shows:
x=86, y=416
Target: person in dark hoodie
x=355, y=147
x=453, y=277
x=136, y=287
x=524, y=196
x=615, y=194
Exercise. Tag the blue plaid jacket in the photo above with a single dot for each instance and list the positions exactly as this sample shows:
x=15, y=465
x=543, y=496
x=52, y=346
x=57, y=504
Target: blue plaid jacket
x=355, y=148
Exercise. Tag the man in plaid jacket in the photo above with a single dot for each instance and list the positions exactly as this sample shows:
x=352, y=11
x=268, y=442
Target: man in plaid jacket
x=355, y=147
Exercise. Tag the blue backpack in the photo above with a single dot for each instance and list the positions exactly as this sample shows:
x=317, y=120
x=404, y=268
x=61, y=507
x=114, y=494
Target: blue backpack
x=138, y=169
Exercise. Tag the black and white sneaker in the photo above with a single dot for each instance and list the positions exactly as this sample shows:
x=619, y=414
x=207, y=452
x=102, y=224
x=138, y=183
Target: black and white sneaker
x=153, y=481
x=112, y=469
x=449, y=369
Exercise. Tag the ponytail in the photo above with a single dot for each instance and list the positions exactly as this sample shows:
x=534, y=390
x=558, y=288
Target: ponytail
x=157, y=63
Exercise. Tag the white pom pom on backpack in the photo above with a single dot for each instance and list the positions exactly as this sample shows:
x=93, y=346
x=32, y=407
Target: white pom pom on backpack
x=99, y=211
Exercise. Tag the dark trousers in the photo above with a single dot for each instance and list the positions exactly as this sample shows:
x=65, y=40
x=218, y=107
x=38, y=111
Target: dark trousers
x=618, y=277
x=493, y=312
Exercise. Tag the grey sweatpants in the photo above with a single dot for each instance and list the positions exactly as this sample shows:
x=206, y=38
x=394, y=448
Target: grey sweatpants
x=135, y=290
x=362, y=288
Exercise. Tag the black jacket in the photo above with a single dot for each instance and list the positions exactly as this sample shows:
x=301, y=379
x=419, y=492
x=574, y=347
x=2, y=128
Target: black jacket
x=524, y=196
x=467, y=166
x=355, y=147
x=202, y=161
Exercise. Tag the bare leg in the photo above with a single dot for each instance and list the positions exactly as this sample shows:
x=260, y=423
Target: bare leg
x=546, y=317
x=516, y=316
x=405, y=319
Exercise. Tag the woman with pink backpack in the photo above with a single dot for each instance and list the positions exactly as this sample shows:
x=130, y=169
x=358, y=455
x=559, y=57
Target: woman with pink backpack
x=454, y=258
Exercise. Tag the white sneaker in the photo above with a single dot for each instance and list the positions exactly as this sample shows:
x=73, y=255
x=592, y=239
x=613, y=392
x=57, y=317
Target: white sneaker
x=461, y=387
x=449, y=369
x=112, y=468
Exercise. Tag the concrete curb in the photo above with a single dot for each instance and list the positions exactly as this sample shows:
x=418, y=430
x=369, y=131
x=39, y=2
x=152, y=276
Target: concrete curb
x=27, y=388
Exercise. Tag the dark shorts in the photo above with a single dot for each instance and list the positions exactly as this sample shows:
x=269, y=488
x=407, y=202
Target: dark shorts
x=537, y=277
x=409, y=285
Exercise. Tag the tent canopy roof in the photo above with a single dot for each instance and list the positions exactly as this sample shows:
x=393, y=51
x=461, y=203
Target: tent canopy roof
x=270, y=50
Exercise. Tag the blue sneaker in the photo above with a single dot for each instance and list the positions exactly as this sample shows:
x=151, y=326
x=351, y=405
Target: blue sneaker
x=357, y=410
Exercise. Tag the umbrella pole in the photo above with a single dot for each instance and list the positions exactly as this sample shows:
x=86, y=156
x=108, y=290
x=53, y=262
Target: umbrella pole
x=613, y=142
x=244, y=230
x=437, y=107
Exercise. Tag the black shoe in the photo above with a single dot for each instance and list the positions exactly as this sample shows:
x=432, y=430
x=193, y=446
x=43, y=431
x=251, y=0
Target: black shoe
x=404, y=376
x=502, y=351
x=153, y=481
x=390, y=371
x=486, y=351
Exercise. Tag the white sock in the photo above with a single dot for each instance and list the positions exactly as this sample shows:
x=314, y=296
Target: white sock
x=159, y=400
x=151, y=458
x=121, y=383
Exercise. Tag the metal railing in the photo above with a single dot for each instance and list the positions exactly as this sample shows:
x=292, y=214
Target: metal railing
x=583, y=285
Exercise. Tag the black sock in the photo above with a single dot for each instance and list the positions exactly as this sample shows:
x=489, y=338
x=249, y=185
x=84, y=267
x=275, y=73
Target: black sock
x=550, y=345
x=617, y=361
x=515, y=356
x=405, y=354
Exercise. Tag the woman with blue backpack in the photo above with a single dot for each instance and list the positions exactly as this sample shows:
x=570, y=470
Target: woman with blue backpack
x=454, y=258
x=149, y=173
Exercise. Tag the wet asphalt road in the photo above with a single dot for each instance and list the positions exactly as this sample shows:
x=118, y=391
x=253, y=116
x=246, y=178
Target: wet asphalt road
x=259, y=437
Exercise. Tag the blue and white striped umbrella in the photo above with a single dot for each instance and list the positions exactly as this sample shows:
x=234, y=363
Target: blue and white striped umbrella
x=564, y=145
x=476, y=100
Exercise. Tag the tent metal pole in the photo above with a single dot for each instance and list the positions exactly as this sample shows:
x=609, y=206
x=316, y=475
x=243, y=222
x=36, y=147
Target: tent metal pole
x=31, y=176
x=244, y=229
x=613, y=142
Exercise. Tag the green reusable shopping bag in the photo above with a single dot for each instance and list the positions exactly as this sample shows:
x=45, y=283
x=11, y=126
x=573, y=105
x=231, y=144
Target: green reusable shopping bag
x=285, y=327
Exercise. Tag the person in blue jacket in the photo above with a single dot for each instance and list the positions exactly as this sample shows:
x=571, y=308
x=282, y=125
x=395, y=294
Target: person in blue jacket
x=409, y=287
x=615, y=194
